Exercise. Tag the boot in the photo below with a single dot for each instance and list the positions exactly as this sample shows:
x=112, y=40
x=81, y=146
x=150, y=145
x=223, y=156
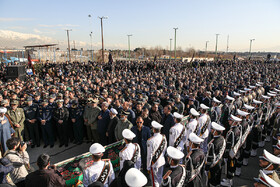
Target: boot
x=254, y=152
x=245, y=161
x=238, y=172
x=227, y=182
x=261, y=144
x=267, y=139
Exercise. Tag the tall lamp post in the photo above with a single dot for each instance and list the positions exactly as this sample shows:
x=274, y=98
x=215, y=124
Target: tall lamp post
x=101, y=19
x=170, y=49
x=206, y=44
x=69, y=55
x=216, y=48
x=175, y=42
x=128, y=36
x=91, y=33
x=250, y=50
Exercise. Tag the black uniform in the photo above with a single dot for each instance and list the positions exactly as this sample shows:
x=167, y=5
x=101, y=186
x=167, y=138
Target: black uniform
x=216, y=149
x=61, y=114
x=174, y=176
x=194, y=165
x=30, y=114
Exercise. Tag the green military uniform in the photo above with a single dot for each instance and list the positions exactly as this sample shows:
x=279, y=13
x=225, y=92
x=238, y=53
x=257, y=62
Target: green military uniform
x=91, y=114
x=17, y=117
x=121, y=125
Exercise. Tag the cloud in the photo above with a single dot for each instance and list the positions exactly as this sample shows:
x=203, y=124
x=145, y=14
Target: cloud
x=15, y=19
x=37, y=31
x=58, y=25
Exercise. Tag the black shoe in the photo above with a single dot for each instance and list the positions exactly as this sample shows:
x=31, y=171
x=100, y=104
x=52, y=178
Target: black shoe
x=60, y=145
x=66, y=145
x=52, y=146
x=45, y=146
x=32, y=146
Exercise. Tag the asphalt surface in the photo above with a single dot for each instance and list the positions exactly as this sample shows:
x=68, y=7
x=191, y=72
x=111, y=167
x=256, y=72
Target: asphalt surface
x=59, y=154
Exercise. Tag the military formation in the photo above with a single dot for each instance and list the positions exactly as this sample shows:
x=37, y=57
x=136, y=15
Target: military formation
x=182, y=124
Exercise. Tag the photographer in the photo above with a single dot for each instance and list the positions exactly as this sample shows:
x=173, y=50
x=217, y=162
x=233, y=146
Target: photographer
x=45, y=176
x=18, y=156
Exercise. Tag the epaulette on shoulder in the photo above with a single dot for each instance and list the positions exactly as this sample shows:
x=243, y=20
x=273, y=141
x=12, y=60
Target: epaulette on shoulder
x=167, y=174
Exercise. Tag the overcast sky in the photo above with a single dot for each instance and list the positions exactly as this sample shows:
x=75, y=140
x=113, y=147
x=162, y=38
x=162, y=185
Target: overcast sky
x=151, y=22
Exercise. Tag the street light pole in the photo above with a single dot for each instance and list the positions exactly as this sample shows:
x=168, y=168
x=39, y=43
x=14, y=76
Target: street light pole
x=250, y=50
x=91, y=33
x=101, y=19
x=206, y=43
x=170, y=49
x=128, y=36
x=175, y=42
x=227, y=43
x=69, y=56
x=216, y=48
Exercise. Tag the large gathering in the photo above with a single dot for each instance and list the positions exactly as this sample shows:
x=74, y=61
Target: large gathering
x=182, y=125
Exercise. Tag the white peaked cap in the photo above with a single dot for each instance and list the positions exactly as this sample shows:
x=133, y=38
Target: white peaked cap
x=265, y=97
x=266, y=180
x=252, y=86
x=194, y=112
x=230, y=98
x=96, y=149
x=257, y=102
x=114, y=111
x=174, y=153
x=242, y=91
x=248, y=107
x=236, y=94
x=242, y=113
x=272, y=92
x=271, y=95
x=194, y=138
x=156, y=125
x=203, y=106
x=177, y=115
x=135, y=178
x=270, y=157
x=276, y=90
x=247, y=89
x=3, y=110
x=234, y=118
x=217, y=127
x=216, y=100
x=128, y=134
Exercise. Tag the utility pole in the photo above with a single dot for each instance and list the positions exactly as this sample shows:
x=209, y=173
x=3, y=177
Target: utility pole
x=170, y=49
x=128, y=36
x=175, y=42
x=250, y=50
x=206, y=43
x=69, y=56
x=101, y=19
x=91, y=33
x=227, y=42
x=216, y=48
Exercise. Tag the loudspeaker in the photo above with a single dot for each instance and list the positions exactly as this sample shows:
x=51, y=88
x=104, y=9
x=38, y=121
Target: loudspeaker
x=16, y=71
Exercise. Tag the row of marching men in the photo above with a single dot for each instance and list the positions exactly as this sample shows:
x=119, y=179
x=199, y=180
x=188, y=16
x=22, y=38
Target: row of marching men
x=199, y=149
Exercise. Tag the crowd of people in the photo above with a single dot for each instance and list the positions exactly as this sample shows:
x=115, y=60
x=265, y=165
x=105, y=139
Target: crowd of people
x=181, y=122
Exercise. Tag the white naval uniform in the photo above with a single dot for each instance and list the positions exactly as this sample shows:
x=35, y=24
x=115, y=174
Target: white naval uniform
x=92, y=173
x=174, y=133
x=201, y=122
x=191, y=126
x=127, y=153
x=153, y=144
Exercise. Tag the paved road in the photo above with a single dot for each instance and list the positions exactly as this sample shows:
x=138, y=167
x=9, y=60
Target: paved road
x=60, y=154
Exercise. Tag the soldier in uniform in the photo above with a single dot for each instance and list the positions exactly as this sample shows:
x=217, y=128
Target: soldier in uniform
x=269, y=163
x=276, y=124
x=233, y=141
x=216, y=149
x=194, y=162
x=122, y=124
x=17, y=118
x=256, y=126
x=191, y=126
x=30, y=111
x=76, y=114
x=177, y=133
x=101, y=170
x=60, y=116
x=216, y=110
x=156, y=147
x=266, y=108
x=227, y=111
x=175, y=174
x=44, y=117
x=245, y=129
x=131, y=151
x=203, y=127
x=179, y=104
